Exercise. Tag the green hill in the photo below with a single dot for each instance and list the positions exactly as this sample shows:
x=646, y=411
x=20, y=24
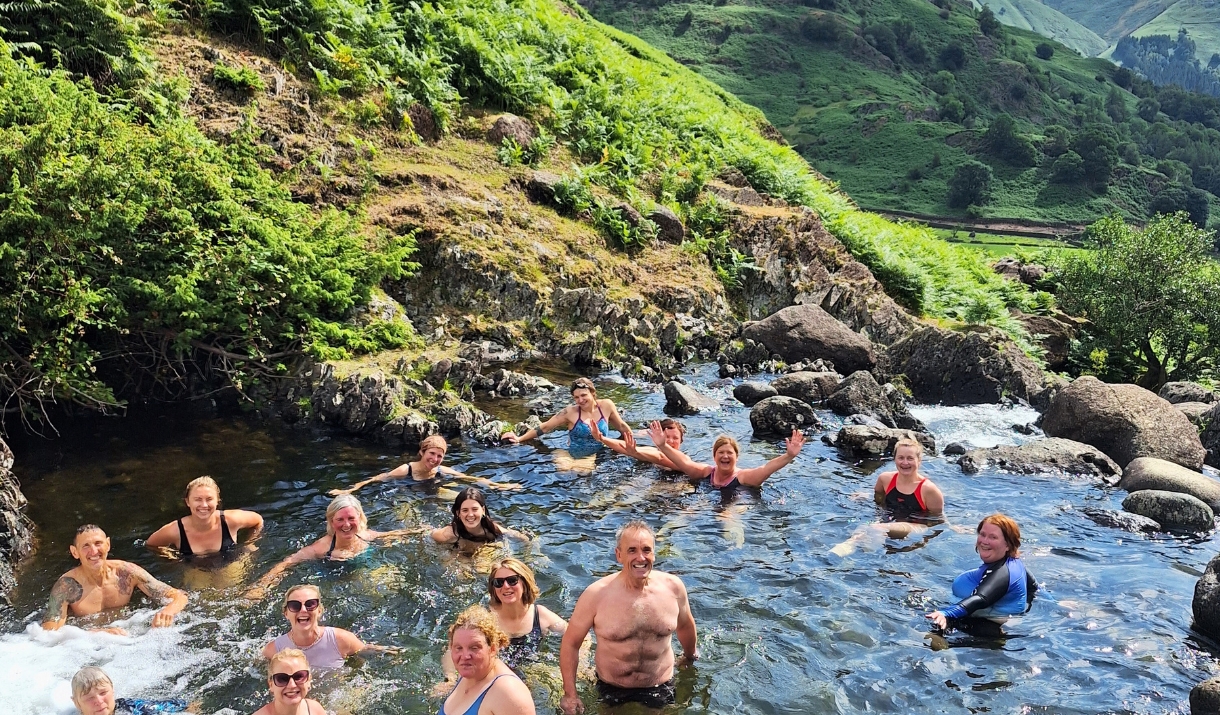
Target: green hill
x=1046, y=21
x=1201, y=18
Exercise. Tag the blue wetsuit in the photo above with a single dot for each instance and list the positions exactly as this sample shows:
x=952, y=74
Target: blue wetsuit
x=580, y=437
x=1003, y=588
x=142, y=706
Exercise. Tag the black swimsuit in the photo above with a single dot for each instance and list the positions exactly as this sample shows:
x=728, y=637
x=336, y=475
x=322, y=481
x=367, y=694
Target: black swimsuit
x=333, y=537
x=523, y=648
x=226, y=539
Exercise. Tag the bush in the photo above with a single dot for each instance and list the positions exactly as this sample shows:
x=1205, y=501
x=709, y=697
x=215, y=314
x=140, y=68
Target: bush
x=242, y=80
x=1068, y=168
x=882, y=38
x=1098, y=149
x=84, y=37
x=953, y=56
x=1176, y=198
x=970, y=185
x=951, y=109
x=822, y=28
x=988, y=24
x=1003, y=141
x=1044, y=50
x=1056, y=141
x=943, y=82
x=1147, y=109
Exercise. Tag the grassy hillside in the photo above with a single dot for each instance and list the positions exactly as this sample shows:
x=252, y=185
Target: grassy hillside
x=1201, y=18
x=1044, y=20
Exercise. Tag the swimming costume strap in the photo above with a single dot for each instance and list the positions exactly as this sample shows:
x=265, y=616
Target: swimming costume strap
x=580, y=437
x=727, y=485
x=226, y=539
x=897, y=500
x=474, y=707
x=525, y=647
x=333, y=537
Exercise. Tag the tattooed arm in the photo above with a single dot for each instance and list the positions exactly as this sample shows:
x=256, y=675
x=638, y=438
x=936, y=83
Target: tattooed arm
x=65, y=592
x=173, y=600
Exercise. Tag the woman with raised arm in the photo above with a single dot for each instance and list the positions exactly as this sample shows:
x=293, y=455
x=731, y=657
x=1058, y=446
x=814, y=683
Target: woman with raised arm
x=207, y=530
x=347, y=535
x=324, y=647
x=472, y=525
x=724, y=473
x=579, y=418
x=427, y=468
x=675, y=433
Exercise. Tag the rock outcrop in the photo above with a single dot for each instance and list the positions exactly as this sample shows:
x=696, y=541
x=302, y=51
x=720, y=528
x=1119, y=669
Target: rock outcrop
x=868, y=440
x=811, y=387
x=1206, y=603
x=802, y=333
x=1172, y=510
x=506, y=383
x=859, y=394
x=1044, y=455
x=1175, y=392
x=1121, y=520
x=1209, y=436
x=1124, y=421
x=780, y=415
x=1194, y=411
x=683, y=399
x=1152, y=473
x=1053, y=333
x=1205, y=698
x=964, y=367
x=751, y=393
x=16, y=530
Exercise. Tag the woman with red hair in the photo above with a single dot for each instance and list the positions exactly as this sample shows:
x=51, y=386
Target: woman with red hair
x=1001, y=587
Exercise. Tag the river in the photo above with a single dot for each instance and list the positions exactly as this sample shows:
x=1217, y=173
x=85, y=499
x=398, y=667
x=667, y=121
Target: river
x=784, y=626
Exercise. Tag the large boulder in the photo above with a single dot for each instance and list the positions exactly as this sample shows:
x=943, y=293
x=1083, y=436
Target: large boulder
x=1194, y=411
x=751, y=393
x=1205, y=698
x=872, y=441
x=1206, y=603
x=1053, y=333
x=808, y=387
x=1175, y=392
x=780, y=415
x=1209, y=437
x=801, y=333
x=964, y=367
x=1152, y=473
x=1121, y=520
x=669, y=226
x=859, y=394
x=1044, y=455
x=1124, y=421
x=16, y=530
x=685, y=400
x=903, y=419
x=1172, y=510
x=510, y=126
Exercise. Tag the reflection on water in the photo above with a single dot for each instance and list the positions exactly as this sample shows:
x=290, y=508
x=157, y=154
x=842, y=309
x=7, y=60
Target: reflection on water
x=785, y=627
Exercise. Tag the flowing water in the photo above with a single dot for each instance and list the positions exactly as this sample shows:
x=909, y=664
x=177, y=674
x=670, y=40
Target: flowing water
x=784, y=626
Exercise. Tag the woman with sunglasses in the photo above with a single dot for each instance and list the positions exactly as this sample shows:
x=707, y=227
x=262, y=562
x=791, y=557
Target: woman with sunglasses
x=485, y=684
x=578, y=419
x=472, y=525
x=288, y=680
x=324, y=647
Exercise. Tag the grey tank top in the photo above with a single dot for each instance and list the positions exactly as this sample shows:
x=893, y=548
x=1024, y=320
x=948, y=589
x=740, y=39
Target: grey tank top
x=323, y=654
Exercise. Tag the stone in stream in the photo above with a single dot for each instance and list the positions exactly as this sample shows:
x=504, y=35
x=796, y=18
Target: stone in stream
x=1209, y=437
x=407, y=430
x=683, y=399
x=16, y=530
x=780, y=415
x=1045, y=455
x=1178, y=392
x=972, y=366
x=1206, y=602
x=1194, y=411
x=1124, y=421
x=811, y=387
x=1121, y=520
x=1152, y=473
x=506, y=383
x=489, y=433
x=541, y=405
x=1205, y=697
x=954, y=449
x=879, y=441
x=859, y=394
x=801, y=333
x=1173, y=510
x=751, y=393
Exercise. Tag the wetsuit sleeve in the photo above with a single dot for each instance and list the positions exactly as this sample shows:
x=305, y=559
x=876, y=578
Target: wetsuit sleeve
x=990, y=590
x=140, y=706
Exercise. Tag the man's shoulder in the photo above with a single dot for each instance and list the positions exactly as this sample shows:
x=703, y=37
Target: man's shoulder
x=670, y=581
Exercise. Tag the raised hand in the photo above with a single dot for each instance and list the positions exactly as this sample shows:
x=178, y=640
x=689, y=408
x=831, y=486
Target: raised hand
x=794, y=444
x=339, y=492
x=656, y=434
x=629, y=441
x=595, y=433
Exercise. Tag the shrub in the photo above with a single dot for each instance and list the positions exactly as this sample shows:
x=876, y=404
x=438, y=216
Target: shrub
x=1003, y=141
x=953, y=56
x=1068, y=168
x=970, y=184
x=1056, y=141
x=822, y=28
x=943, y=82
x=951, y=109
x=242, y=80
x=988, y=24
x=1044, y=50
x=1176, y=198
x=1147, y=109
x=1098, y=149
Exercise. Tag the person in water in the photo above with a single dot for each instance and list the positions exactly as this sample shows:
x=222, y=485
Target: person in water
x=1001, y=587
x=429, y=466
x=633, y=614
x=472, y=525
x=724, y=473
x=579, y=419
x=486, y=685
x=347, y=535
x=100, y=583
x=908, y=497
x=675, y=433
x=288, y=679
x=93, y=694
x=207, y=530
x=325, y=647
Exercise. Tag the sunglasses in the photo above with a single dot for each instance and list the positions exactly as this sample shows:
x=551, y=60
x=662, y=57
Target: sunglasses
x=280, y=680
x=510, y=580
x=309, y=605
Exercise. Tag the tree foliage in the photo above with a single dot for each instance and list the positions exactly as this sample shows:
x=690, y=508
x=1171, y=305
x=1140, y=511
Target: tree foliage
x=1004, y=142
x=1044, y=50
x=1176, y=198
x=970, y=185
x=1152, y=297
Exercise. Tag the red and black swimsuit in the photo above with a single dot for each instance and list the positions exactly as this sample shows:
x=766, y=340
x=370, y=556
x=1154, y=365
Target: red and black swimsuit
x=905, y=503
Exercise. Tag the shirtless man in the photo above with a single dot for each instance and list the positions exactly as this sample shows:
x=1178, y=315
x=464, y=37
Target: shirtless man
x=634, y=614
x=100, y=584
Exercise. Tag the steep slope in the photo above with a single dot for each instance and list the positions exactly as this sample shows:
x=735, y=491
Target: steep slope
x=1112, y=19
x=1201, y=18
x=1037, y=17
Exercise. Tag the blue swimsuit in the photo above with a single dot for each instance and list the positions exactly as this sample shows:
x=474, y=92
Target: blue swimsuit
x=580, y=437
x=474, y=707
x=999, y=589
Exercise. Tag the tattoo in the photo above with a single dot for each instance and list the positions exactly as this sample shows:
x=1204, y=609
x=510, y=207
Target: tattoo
x=133, y=576
x=66, y=591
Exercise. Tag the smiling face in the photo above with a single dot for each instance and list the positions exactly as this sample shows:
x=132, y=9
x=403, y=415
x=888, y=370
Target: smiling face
x=673, y=437
x=303, y=620
x=346, y=522
x=203, y=501
x=91, y=547
x=991, y=544
x=509, y=593
x=635, y=552
x=290, y=695
x=432, y=457
x=471, y=513
x=907, y=460
x=98, y=701
x=726, y=457
x=472, y=656
x=584, y=398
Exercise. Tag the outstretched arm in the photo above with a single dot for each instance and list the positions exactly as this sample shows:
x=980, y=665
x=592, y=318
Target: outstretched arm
x=757, y=475
x=481, y=481
x=560, y=419
x=272, y=577
x=164, y=538
x=65, y=592
x=684, y=464
x=171, y=599
x=398, y=472
x=569, y=650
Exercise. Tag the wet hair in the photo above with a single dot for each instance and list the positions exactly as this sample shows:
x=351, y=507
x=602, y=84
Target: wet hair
x=723, y=440
x=487, y=523
x=583, y=383
x=670, y=423
x=343, y=501
x=88, y=678
x=636, y=525
x=529, y=587
x=913, y=444
x=435, y=441
x=1008, y=527
x=477, y=618
x=204, y=481
x=301, y=587
x=86, y=528
x=286, y=654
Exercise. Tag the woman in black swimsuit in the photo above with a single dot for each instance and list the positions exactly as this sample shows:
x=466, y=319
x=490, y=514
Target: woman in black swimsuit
x=207, y=530
x=427, y=468
x=472, y=526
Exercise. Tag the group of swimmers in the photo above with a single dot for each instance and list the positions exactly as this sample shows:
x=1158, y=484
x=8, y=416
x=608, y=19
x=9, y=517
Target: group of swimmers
x=633, y=613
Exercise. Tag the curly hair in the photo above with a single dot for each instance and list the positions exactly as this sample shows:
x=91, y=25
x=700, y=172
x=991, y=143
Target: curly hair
x=477, y=618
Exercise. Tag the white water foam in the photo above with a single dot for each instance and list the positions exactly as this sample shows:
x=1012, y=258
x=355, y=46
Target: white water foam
x=151, y=662
x=977, y=426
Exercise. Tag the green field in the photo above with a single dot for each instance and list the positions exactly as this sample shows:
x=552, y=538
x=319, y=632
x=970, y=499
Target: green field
x=998, y=245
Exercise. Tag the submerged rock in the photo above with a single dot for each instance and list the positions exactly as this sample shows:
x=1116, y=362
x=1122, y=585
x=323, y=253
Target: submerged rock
x=1121, y=520
x=859, y=394
x=1124, y=421
x=954, y=449
x=16, y=530
x=685, y=400
x=978, y=365
x=1206, y=602
x=1173, y=510
x=811, y=387
x=751, y=393
x=1205, y=697
x=780, y=415
x=1178, y=392
x=1152, y=473
x=801, y=333
x=1044, y=455
x=879, y=441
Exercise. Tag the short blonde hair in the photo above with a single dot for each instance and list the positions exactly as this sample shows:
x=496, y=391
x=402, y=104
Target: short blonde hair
x=302, y=587
x=88, y=678
x=286, y=654
x=723, y=440
x=204, y=481
x=477, y=618
x=529, y=587
x=435, y=441
x=912, y=443
x=343, y=501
